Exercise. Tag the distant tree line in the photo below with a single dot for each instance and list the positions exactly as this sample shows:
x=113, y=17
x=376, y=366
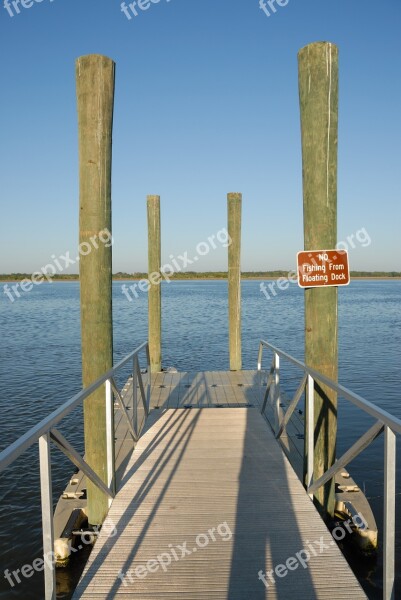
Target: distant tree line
x=21, y=276
x=196, y=275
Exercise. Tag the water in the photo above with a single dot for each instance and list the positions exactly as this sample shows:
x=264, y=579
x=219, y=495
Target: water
x=40, y=369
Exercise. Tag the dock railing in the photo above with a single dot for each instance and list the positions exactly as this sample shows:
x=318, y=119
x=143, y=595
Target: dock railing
x=45, y=432
x=385, y=423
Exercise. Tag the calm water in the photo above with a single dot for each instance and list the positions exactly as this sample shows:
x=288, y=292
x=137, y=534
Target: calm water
x=40, y=369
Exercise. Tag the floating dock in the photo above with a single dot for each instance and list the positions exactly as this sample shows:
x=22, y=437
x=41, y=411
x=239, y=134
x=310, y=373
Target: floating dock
x=209, y=476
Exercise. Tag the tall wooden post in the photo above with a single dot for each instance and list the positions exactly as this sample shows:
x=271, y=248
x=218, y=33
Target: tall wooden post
x=318, y=91
x=95, y=98
x=234, y=203
x=154, y=294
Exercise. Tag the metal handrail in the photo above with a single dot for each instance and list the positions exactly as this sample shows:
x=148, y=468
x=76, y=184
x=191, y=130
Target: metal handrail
x=359, y=401
x=45, y=432
x=385, y=422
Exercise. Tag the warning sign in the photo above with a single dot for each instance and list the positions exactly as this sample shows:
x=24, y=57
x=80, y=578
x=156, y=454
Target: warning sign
x=319, y=268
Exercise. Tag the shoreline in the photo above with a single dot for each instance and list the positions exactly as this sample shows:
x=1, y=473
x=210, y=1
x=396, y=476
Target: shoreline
x=269, y=278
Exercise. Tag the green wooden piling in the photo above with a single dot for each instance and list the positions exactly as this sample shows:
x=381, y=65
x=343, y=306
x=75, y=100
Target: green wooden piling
x=95, y=98
x=154, y=293
x=234, y=204
x=318, y=92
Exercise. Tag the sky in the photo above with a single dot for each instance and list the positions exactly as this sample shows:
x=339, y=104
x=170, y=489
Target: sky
x=206, y=103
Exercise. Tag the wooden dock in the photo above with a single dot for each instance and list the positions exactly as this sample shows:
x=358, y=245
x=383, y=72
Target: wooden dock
x=208, y=475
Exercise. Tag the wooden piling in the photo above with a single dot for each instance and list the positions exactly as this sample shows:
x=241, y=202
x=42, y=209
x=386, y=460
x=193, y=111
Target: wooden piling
x=154, y=293
x=234, y=204
x=318, y=91
x=95, y=98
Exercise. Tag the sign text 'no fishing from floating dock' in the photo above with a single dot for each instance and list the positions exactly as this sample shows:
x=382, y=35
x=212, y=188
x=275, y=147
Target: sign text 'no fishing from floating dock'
x=322, y=268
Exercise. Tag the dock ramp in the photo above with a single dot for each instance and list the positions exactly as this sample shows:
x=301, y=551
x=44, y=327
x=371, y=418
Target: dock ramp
x=210, y=508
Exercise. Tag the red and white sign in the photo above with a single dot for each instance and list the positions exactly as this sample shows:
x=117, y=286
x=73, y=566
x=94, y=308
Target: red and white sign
x=322, y=268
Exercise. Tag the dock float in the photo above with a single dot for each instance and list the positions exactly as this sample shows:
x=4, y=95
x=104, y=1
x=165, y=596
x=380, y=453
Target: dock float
x=210, y=507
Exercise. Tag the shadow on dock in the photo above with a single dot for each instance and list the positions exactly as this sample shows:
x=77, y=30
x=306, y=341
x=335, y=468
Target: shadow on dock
x=198, y=468
x=178, y=437
x=266, y=525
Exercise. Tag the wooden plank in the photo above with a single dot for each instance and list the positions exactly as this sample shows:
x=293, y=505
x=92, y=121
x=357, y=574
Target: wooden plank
x=164, y=389
x=188, y=390
x=206, y=389
x=203, y=391
x=210, y=470
x=220, y=392
x=228, y=389
x=180, y=381
x=157, y=379
x=210, y=382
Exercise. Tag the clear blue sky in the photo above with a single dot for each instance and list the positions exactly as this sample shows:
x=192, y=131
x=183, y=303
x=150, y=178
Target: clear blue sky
x=206, y=103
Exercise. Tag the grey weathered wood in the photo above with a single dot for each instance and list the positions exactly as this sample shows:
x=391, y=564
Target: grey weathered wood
x=95, y=100
x=234, y=205
x=154, y=293
x=318, y=93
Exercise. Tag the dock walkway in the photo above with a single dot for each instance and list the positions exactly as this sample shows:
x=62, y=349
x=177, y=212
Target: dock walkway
x=209, y=505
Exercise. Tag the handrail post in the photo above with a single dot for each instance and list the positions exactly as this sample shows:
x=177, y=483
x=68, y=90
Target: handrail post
x=389, y=513
x=277, y=390
x=111, y=465
x=269, y=383
x=260, y=374
x=310, y=430
x=260, y=355
x=47, y=516
x=135, y=395
x=149, y=386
